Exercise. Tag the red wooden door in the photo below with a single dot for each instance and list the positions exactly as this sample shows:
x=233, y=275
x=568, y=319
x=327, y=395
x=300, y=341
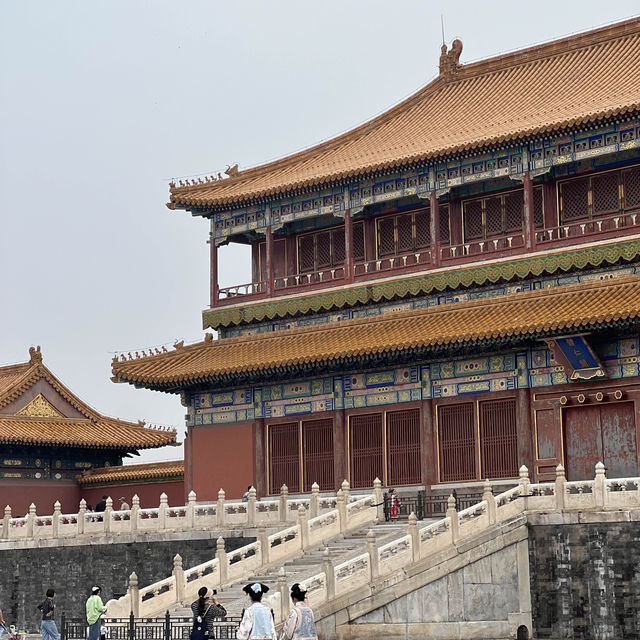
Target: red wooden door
x=457, y=442
x=366, y=455
x=605, y=433
x=403, y=447
x=498, y=439
x=317, y=447
x=284, y=457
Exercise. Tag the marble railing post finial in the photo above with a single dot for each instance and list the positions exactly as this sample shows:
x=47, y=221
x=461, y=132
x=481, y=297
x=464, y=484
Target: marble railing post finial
x=178, y=574
x=314, y=500
x=346, y=488
x=134, y=595
x=284, y=595
x=263, y=539
x=81, y=516
x=6, y=523
x=378, y=499
x=412, y=530
x=490, y=499
x=327, y=568
x=191, y=510
x=135, y=512
x=599, y=486
x=341, y=506
x=220, y=508
x=55, y=519
x=303, y=523
x=31, y=517
x=452, y=514
x=283, y=504
x=561, y=481
x=106, y=516
x=162, y=511
x=251, y=507
x=223, y=563
x=372, y=550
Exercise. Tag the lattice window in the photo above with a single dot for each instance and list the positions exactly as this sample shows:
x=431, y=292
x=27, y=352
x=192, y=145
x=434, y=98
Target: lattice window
x=631, y=185
x=606, y=197
x=358, y=242
x=317, y=446
x=337, y=247
x=284, y=457
x=513, y=211
x=423, y=233
x=306, y=253
x=445, y=232
x=323, y=249
x=457, y=442
x=386, y=238
x=366, y=455
x=404, y=227
x=538, y=208
x=574, y=196
x=403, y=447
x=498, y=439
x=473, y=220
x=493, y=216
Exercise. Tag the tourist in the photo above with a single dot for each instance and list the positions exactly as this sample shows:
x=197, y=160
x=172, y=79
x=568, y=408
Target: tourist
x=48, y=625
x=299, y=623
x=257, y=620
x=95, y=608
x=124, y=505
x=104, y=630
x=102, y=505
x=245, y=495
x=394, y=504
x=3, y=625
x=205, y=610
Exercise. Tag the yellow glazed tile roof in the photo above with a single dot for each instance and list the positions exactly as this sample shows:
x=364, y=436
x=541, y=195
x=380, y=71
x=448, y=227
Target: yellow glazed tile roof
x=149, y=471
x=569, y=82
x=567, y=308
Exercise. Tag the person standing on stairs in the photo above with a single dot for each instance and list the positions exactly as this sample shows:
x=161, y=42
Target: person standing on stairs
x=257, y=620
x=299, y=624
x=205, y=611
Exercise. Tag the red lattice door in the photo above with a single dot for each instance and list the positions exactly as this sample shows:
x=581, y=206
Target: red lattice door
x=606, y=196
x=498, y=439
x=473, y=228
x=574, y=200
x=317, y=452
x=631, y=186
x=366, y=454
x=403, y=447
x=284, y=457
x=457, y=442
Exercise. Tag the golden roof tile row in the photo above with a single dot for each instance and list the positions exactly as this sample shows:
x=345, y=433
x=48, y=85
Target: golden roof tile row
x=566, y=308
x=569, y=82
x=149, y=471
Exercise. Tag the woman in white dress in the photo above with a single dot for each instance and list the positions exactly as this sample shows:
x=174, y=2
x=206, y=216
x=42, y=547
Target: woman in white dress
x=257, y=620
x=299, y=624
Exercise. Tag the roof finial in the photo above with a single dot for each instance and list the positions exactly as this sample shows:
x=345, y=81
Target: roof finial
x=442, y=25
x=449, y=60
x=35, y=355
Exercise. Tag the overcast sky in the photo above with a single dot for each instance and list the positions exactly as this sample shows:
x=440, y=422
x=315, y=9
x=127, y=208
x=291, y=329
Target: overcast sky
x=103, y=102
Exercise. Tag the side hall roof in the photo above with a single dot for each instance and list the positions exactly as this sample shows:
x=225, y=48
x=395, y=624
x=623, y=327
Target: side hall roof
x=134, y=472
x=567, y=308
x=574, y=81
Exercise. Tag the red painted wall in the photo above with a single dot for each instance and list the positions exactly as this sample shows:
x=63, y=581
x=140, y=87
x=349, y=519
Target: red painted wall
x=148, y=492
x=222, y=456
x=19, y=494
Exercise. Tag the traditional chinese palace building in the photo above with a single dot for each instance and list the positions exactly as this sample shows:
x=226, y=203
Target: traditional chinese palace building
x=439, y=296
x=49, y=437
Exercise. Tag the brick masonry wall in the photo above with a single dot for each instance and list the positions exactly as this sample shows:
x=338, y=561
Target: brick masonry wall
x=26, y=574
x=585, y=581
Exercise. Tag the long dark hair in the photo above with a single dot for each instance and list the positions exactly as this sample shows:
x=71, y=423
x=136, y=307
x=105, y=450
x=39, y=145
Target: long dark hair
x=202, y=599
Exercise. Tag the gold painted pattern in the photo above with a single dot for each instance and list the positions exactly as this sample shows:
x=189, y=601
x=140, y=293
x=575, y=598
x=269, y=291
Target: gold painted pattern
x=40, y=407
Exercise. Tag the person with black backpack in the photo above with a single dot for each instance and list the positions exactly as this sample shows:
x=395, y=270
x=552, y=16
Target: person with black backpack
x=47, y=608
x=205, y=611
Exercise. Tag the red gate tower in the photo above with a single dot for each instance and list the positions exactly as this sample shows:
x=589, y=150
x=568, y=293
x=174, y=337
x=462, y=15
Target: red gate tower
x=439, y=296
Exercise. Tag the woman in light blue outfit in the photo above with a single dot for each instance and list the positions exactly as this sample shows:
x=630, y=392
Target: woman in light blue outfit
x=299, y=624
x=257, y=620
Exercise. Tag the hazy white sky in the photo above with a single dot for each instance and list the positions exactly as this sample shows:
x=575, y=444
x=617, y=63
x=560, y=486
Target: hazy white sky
x=103, y=102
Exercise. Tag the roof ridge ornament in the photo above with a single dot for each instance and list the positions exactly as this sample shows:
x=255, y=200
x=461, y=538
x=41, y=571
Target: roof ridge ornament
x=35, y=355
x=450, y=60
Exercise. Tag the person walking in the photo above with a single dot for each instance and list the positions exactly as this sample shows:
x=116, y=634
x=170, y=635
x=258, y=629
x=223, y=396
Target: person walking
x=257, y=620
x=95, y=608
x=48, y=625
x=300, y=623
x=205, y=610
x=3, y=625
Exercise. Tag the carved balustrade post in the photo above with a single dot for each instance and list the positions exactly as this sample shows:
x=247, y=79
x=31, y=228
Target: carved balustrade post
x=106, y=516
x=162, y=511
x=223, y=563
x=524, y=483
x=487, y=495
x=31, y=518
x=263, y=539
x=178, y=574
x=314, y=501
x=341, y=506
x=55, y=519
x=220, y=508
x=346, y=489
x=600, y=486
x=327, y=568
x=134, y=594
x=372, y=550
x=412, y=530
x=378, y=499
x=82, y=510
x=251, y=508
x=191, y=510
x=283, y=506
x=452, y=514
x=135, y=512
x=303, y=523
x=284, y=595
x=561, y=481
x=6, y=523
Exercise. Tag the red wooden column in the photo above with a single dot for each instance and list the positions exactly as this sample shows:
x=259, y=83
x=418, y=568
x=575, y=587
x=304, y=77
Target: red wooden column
x=435, y=228
x=269, y=260
x=213, y=283
x=529, y=221
x=348, y=246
